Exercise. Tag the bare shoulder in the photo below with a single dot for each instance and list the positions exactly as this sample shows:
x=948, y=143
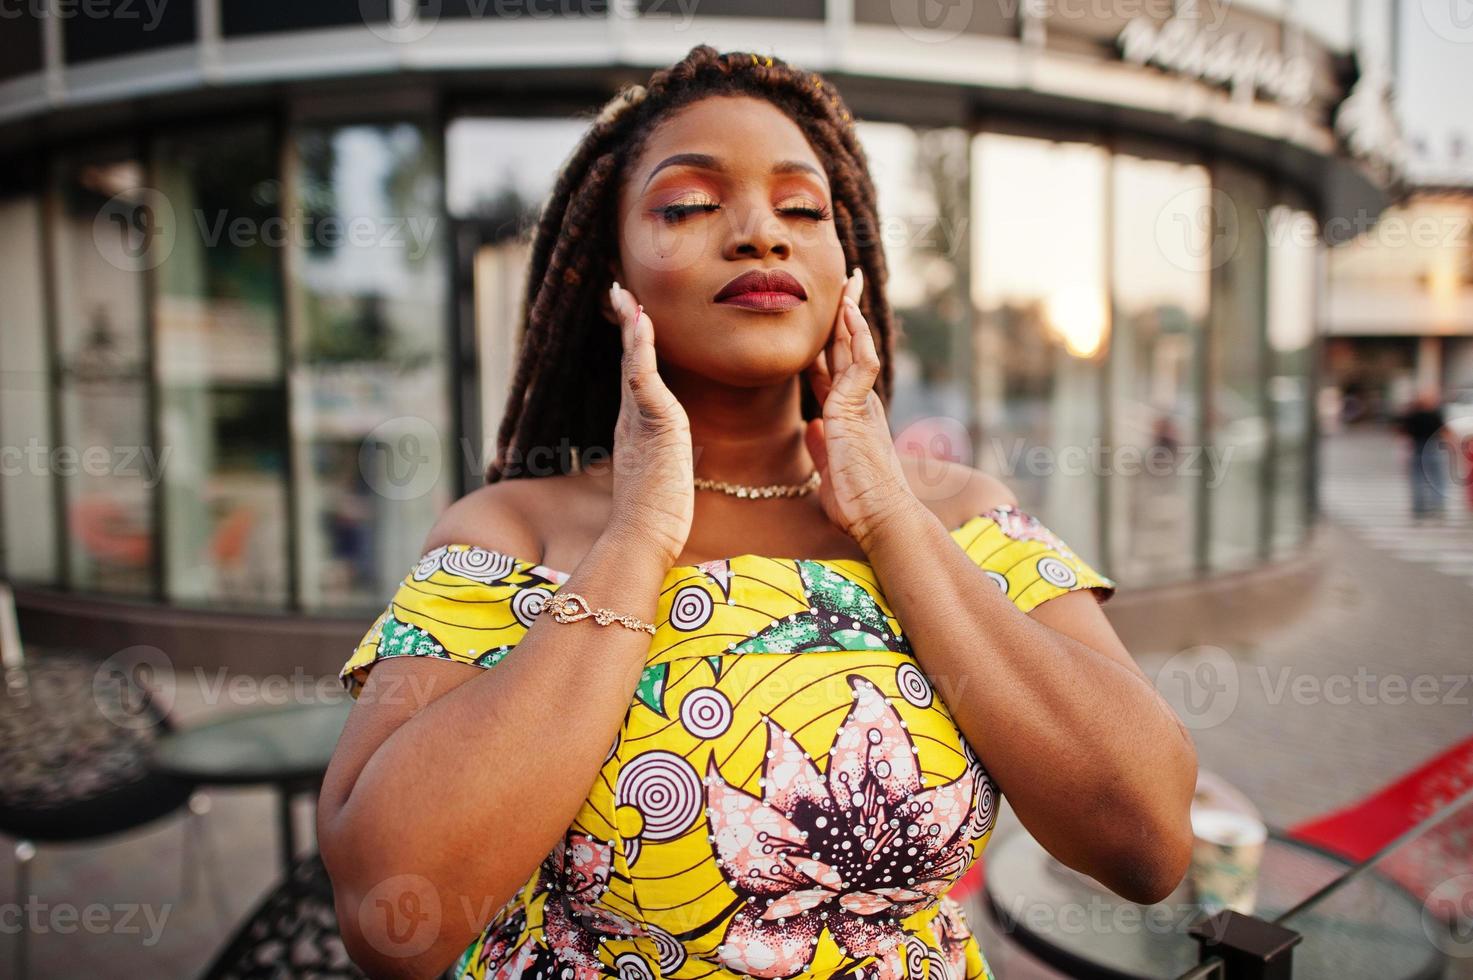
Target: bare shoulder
x=954, y=491
x=495, y=517
x=525, y=517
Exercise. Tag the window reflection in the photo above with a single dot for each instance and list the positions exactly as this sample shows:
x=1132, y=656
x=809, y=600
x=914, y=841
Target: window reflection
x=1042, y=324
x=1237, y=429
x=498, y=172
x=1292, y=275
x=371, y=439
x=921, y=185
x=28, y=495
x=103, y=224
x=1160, y=296
x=221, y=394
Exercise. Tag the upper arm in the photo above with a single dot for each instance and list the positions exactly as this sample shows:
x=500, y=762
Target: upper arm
x=1068, y=601
x=388, y=687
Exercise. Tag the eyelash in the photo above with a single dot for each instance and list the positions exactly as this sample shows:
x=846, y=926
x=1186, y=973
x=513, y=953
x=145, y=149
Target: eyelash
x=679, y=212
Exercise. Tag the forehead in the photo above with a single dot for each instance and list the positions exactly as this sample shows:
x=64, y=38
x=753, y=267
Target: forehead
x=741, y=131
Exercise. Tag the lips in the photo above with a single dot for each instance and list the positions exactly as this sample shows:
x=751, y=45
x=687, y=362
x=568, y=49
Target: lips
x=763, y=289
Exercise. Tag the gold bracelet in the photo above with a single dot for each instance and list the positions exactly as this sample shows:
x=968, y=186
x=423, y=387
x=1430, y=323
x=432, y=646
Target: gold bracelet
x=561, y=601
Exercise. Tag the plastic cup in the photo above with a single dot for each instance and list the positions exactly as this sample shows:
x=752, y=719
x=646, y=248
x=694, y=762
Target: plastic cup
x=1226, y=853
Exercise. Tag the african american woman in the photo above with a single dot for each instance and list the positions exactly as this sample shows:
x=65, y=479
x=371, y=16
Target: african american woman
x=737, y=691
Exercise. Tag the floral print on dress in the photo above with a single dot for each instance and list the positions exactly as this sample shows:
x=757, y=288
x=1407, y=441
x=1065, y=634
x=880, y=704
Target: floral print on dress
x=787, y=794
x=852, y=851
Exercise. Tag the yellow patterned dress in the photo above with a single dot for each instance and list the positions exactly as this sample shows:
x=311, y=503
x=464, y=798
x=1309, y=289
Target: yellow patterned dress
x=788, y=793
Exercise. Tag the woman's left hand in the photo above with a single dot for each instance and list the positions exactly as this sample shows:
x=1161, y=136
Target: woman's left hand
x=863, y=481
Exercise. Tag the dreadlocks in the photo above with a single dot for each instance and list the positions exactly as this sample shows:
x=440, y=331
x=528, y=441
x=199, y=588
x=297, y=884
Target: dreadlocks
x=566, y=387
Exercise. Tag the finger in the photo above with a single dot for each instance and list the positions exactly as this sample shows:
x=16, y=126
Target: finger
x=858, y=377
x=865, y=349
x=619, y=297
x=813, y=437
x=837, y=329
x=817, y=373
x=854, y=287
x=844, y=338
x=639, y=346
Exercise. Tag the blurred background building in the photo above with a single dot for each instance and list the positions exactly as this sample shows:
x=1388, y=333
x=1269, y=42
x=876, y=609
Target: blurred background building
x=263, y=265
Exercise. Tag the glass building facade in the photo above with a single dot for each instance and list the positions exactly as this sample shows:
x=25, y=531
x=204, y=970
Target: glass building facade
x=249, y=356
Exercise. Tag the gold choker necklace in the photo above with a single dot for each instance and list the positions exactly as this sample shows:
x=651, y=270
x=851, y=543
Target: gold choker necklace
x=773, y=490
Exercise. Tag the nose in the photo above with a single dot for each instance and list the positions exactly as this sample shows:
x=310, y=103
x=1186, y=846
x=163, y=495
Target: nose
x=755, y=232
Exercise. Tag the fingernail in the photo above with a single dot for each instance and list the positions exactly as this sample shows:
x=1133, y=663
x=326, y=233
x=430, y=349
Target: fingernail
x=638, y=310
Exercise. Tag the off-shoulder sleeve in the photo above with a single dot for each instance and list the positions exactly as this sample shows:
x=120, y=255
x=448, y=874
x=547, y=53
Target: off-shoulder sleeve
x=459, y=602
x=1027, y=561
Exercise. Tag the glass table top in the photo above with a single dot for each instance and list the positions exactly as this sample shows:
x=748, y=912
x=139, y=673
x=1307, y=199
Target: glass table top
x=1375, y=929
x=277, y=744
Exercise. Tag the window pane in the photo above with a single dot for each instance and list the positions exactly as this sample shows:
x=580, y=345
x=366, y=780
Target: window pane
x=1238, y=429
x=239, y=17
x=104, y=225
x=221, y=392
x=29, y=531
x=371, y=439
x=498, y=173
x=104, y=30
x=1039, y=288
x=1161, y=283
x=1293, y=262
x=921, y=185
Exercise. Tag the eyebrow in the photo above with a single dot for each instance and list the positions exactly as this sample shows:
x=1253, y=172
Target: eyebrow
x=707, y=162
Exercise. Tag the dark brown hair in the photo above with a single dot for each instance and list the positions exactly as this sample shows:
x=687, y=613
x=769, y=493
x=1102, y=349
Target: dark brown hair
x=565, y=392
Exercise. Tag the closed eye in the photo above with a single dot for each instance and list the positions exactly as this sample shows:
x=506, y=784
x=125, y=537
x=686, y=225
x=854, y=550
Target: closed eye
x=816, y=213
x=678, y=212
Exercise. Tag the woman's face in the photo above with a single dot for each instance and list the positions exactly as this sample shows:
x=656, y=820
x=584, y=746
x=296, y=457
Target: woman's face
x=726, y=186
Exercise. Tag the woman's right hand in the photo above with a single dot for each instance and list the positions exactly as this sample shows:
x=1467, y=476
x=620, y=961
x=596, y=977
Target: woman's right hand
x=654, y=472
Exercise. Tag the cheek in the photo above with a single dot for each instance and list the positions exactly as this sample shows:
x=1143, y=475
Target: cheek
x=655, y=248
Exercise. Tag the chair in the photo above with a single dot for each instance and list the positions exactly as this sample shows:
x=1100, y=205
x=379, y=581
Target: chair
x=74, y=747
x=293, y=932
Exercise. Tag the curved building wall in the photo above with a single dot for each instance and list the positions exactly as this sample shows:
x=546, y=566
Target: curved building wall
x=263, y=268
